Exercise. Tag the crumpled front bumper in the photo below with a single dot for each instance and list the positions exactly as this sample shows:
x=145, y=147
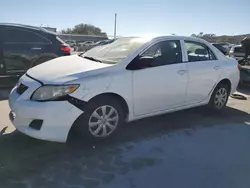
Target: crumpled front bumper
x=57, y=116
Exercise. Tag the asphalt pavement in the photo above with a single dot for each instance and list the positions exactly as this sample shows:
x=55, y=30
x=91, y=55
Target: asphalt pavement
x=193, y=148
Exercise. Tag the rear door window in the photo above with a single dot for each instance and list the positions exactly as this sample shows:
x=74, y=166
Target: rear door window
x=15, y=35
x=198, y=52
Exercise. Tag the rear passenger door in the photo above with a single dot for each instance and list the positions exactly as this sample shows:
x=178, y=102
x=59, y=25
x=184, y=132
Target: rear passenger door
x=20, y=47
x=204, y=71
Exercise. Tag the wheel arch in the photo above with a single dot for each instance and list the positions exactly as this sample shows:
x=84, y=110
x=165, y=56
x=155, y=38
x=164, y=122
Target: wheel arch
x=122, y=101
x=227, y=82
x=223, y=81
x=117, y=97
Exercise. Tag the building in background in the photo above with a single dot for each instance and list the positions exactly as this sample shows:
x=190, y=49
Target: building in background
x=81, y=38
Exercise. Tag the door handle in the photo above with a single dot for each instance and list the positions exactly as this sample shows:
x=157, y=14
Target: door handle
x=181, y=72
x=36, y=48
x=216, y=67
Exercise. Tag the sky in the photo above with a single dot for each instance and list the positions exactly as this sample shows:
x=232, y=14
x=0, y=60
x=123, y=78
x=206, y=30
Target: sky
x=134, y=18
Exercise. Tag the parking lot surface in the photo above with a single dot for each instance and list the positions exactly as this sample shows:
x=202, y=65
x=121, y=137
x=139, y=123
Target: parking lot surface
x=192, y=149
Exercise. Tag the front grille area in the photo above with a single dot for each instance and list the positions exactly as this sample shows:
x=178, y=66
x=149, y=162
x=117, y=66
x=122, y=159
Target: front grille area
x=21, y=89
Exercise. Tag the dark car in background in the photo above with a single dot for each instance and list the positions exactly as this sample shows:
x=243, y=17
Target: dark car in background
x=23, y=47
x=220, y=47
x=236, y=52
x=244, y=71
x=245, y=75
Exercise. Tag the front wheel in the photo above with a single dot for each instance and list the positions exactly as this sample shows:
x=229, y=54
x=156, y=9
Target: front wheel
x=101, y=118
x=219, y=97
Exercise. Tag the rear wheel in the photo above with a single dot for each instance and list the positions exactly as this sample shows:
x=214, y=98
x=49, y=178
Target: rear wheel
x=219, y=97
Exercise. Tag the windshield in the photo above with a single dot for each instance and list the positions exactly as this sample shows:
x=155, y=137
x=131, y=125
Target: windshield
x=60, y=40
x=116, y=51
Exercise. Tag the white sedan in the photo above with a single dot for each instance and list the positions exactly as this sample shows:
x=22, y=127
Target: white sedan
x=129, y=79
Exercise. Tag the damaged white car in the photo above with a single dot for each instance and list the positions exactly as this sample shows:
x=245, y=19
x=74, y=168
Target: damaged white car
x=129, y=79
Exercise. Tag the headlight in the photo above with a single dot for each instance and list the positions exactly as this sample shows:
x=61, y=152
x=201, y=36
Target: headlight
x=45, y=93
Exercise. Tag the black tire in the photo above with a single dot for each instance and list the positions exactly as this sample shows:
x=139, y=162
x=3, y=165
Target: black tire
x=213, y=103
x=82, y=127
x=43, y=58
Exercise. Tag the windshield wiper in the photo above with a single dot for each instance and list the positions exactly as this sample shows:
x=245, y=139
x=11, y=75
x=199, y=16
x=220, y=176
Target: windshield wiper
x=92, y=59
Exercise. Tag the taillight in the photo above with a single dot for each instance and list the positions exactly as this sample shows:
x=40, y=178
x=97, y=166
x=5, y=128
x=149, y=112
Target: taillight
x=239, y=67
x=65, y=48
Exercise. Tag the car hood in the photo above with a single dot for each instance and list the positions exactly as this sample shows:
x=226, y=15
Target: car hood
x=64, y=69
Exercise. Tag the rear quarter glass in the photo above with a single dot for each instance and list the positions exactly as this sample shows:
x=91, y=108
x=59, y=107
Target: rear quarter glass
x=60, y=40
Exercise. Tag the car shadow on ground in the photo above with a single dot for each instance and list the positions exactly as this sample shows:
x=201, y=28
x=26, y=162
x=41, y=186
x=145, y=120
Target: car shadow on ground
x=244, y=90
x=25, y=161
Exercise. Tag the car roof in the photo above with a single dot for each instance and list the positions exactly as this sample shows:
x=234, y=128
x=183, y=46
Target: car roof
x=27, y=27
x=237, y=46
x=171, y=37
x=217, y=44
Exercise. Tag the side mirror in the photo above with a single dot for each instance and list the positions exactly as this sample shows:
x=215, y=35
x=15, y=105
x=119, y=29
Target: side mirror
x=141, y=62
x=148, y=59
x=144, y=62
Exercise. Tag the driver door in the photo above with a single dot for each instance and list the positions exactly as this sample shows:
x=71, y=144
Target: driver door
x=162, y=84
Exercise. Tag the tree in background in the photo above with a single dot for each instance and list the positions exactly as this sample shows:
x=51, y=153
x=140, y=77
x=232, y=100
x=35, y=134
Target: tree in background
x=84, y=29
x=208, y=37
x=223, y=38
